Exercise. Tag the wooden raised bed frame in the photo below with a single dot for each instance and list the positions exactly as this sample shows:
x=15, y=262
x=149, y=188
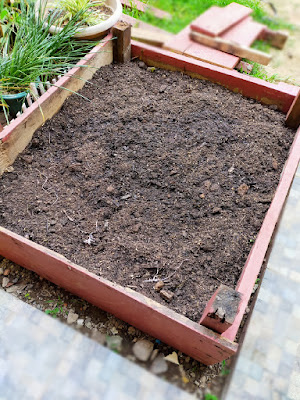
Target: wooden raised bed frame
x=159, y=321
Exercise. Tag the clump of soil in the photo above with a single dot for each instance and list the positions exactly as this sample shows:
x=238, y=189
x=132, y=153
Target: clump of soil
x=158, y=177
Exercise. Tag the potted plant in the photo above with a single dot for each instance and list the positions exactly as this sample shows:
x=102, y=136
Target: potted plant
x=98, y=16
x=36, y=55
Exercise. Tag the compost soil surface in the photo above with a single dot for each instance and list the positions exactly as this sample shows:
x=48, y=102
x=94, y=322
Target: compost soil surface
x=158, y=176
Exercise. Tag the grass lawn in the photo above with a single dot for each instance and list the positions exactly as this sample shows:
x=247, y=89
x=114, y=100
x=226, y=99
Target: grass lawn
x=185, y=11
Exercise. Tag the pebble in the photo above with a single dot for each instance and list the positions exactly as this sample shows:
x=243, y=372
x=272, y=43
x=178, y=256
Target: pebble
x=80, y=321
x=142, y=349
x=1, y=271
x=6, y=272
x=142, y=65
x=131, y=330
x=114, y=343
x=154, y=354
x=110, y=189
x=72, y=317
x=5, y=282
x=158, y=286
x=159, y=365
x=166, y=295
x=243, y=189
x=173, y=358
x=89, y=325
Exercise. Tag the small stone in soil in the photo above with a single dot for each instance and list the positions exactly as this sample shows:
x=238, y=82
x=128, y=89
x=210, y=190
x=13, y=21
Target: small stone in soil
x=110, y=189
x=166, y=295
x=5, y=282
x=114, y=343
x=243, y=189
x=80, y=321
x=159, y=365
x=6, y=272
x=154, y=354
x=72, y=317
x=142, y=349
x=1, y=271
x=173, y=358
x=158, y=286
x=131, y=330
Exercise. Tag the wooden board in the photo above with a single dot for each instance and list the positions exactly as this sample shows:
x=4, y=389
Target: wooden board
x=136, y=309
x=231, y=47
x=245, y=32
x=182, y=44
x=293, y=117
x=216, y=20
x=17, y=135
x=149, y=36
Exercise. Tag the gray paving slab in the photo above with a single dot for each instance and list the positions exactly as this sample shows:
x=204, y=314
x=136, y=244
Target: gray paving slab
x=43, y=359
x=268, y=365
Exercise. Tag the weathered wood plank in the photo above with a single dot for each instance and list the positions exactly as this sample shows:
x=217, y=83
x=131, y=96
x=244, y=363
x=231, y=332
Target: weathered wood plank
x=231, y=47
x=149, y=36
x=132, y=307
x=122, y=42
x=216, y=20
x=293, y=117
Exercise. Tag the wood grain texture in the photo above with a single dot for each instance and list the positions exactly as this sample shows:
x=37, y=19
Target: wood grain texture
x=293, y=116
x=231, y=47
x=149, y=36
x=216, y=20
x=122, y=42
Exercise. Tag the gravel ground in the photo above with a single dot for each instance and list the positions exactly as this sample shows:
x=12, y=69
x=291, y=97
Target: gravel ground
x=126, y=340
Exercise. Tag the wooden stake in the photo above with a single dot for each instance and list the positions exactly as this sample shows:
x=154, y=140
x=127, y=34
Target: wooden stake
x=151, y=37
x=121, y=42
x=275, y=38
x=293, y=117
x=230, y=47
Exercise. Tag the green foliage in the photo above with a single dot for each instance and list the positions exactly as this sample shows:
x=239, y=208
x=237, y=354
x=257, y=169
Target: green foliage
x=70, y=8
x=184, y=11
x=209, y=396
x=37, y=55
x=224, y=371
x=57, y=308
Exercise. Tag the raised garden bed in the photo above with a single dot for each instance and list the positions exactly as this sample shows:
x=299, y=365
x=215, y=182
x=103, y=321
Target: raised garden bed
x=190, y=337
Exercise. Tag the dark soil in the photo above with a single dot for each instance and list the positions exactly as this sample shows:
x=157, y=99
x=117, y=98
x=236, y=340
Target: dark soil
x=158, y=176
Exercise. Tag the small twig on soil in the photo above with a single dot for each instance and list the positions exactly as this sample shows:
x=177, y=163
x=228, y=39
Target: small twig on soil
x=50, y=190
x=156, y=279
x=69, y=218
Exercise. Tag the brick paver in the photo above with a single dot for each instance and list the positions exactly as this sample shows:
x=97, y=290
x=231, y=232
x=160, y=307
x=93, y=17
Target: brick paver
x=42, y=358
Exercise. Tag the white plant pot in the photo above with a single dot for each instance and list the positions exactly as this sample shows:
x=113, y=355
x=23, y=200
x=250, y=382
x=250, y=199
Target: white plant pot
x=95, y=31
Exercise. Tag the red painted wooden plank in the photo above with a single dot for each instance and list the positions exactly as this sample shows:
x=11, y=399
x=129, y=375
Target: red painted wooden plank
x=216, y=21
x=182, y=44
x=260, y=247
x=281, y=95
x=142, y=7
x=245, y=32
x=211, y=56
x=293, y=117
x=132, y=307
